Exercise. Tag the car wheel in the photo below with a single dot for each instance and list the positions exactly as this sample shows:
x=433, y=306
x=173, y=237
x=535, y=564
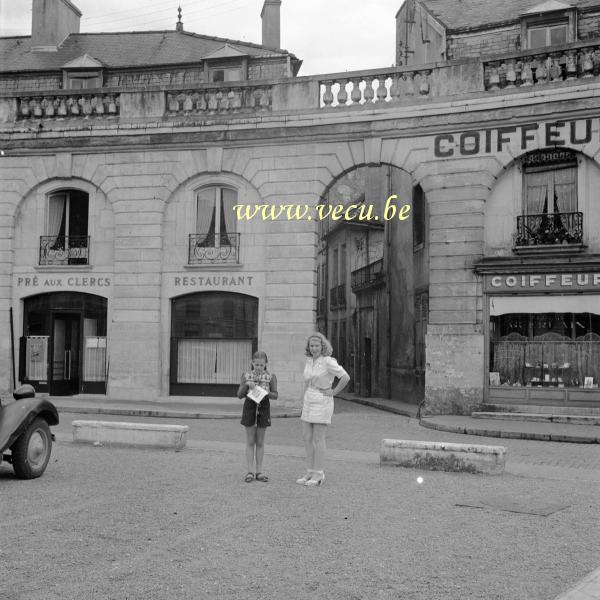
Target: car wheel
x=31, y=452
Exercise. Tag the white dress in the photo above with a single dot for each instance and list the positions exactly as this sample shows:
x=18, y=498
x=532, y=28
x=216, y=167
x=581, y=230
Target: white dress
x=320, y=373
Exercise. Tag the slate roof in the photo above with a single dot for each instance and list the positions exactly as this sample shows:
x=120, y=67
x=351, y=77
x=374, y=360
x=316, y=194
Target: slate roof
x=456, y=15
x=121, y=50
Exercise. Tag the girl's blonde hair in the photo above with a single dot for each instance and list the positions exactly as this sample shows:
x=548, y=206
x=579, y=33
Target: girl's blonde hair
x=260, y=354
x=326, y=347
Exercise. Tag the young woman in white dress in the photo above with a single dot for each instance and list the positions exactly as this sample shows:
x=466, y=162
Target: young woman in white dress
x=317, y=404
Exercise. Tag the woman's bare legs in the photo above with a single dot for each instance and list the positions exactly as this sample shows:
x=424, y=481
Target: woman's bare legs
x=319, y=448
x=307, y=436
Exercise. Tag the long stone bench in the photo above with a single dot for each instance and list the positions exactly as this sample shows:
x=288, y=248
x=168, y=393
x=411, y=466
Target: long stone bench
x=442, y=456
x=130, y=434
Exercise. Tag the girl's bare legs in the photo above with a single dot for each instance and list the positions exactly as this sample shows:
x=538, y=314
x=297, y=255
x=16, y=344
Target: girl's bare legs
x=251, y=442
x=260, y=447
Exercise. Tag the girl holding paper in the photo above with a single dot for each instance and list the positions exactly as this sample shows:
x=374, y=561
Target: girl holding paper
x=257, y=386
x=317, y=404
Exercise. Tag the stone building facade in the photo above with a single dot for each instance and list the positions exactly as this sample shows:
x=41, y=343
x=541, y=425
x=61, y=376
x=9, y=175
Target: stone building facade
x=125, y=273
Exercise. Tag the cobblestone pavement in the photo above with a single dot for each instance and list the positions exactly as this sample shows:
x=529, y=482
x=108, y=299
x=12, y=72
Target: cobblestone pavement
x=361, y=428
x=131, y=524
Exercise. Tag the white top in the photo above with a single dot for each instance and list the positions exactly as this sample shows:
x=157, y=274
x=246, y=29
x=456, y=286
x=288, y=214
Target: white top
x=322, y=371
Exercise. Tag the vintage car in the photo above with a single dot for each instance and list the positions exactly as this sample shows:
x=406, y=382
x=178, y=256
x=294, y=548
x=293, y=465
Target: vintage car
x=25, y=432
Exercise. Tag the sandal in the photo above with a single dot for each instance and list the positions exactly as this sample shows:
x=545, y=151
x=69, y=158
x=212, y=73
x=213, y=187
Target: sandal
x=262, y=477
x=249, y=477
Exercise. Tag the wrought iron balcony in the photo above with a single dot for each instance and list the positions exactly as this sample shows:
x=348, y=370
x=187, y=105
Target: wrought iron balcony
x=337, y=296
x=64, y=250
x=321, y=306
x=367, y=276
x=208, y=248
x=549, y=229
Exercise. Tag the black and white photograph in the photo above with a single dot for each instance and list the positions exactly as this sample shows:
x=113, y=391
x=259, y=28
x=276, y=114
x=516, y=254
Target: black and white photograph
x=299, y=299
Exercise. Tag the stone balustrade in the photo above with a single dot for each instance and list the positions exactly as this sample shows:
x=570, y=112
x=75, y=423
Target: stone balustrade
x=564, y=63
x=375, y=87
x=61, y=106
x=219, y=100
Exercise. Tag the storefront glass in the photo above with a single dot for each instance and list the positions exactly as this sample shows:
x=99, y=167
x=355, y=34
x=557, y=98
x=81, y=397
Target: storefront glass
x=545, y=350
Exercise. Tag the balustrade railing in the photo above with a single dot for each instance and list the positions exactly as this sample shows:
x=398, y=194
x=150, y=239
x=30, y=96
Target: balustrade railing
x=367, y=276
x=64, y=250
x=574, y=61
x=61, y=106
x=208, y=248
x=549, y=229
x=380, y=88
x=219, y=100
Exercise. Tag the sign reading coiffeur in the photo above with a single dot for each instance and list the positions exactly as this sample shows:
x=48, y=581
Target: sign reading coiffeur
x=542, y=282
x=529, y=136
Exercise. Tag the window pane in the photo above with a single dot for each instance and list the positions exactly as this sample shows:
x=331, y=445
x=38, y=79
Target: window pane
x=558, y=35
x=233, y=75
x=537, y=38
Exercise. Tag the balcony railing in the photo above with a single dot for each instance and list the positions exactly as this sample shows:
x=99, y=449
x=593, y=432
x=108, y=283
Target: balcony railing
x=208, y=248
x=68, y=105
x=537, y=67
x=549, y=229
x=368, y=276
x=337, y=296
x=219, y=99
x=321, y=306
x=64, y=250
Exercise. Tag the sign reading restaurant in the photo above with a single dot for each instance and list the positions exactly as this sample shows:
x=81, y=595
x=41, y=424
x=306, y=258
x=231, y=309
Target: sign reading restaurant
x=543, y=282
x=529, y=136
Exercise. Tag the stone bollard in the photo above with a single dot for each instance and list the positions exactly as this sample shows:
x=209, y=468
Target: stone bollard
x=130, y=434
x=442, y=456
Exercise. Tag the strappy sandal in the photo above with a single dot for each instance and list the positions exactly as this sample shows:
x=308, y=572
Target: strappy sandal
x=249, y=477
x=262, y=477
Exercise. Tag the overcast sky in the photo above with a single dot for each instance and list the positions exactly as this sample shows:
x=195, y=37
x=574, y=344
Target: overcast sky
x=328, y=35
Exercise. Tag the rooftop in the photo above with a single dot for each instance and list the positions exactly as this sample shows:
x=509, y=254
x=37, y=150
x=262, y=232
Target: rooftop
x=128, y=49
x=459, y=15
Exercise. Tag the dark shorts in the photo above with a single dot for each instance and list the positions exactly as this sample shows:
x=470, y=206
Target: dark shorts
x=256, y=414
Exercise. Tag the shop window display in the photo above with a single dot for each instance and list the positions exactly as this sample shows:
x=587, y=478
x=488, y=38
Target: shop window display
x=545, y=350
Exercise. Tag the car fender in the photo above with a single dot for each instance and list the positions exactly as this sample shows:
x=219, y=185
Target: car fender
x=17, y=416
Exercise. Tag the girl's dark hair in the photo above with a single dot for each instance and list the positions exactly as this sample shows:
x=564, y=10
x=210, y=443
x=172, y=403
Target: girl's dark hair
x=260, y=354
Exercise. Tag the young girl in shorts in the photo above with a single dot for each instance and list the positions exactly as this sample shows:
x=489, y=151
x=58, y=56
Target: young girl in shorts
x=257, y=417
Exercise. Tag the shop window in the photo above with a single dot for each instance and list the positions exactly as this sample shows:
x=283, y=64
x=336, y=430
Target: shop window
x=545, y=350
x=213, y=337
x=66, y=241
x=215, y=239
x=550, y=202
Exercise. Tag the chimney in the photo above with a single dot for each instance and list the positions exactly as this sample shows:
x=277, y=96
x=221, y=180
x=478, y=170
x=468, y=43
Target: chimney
x=51, y=22
x=271, y=25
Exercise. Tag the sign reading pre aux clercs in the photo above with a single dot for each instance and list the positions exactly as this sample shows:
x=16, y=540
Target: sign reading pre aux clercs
x=529, y=136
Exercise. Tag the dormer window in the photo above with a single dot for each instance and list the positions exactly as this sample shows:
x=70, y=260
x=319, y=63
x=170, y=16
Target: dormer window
x=82, y=73
x=225, y=64
x=547, y=35
x=83, y=81
x=219, y=74
x=550, y=23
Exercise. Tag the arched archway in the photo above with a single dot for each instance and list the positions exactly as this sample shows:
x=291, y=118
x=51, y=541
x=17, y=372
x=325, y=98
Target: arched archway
x=373, y=279
x=213, y=336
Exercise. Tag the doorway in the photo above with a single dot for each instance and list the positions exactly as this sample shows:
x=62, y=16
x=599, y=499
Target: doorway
x=64, y=375
x=63, y=350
